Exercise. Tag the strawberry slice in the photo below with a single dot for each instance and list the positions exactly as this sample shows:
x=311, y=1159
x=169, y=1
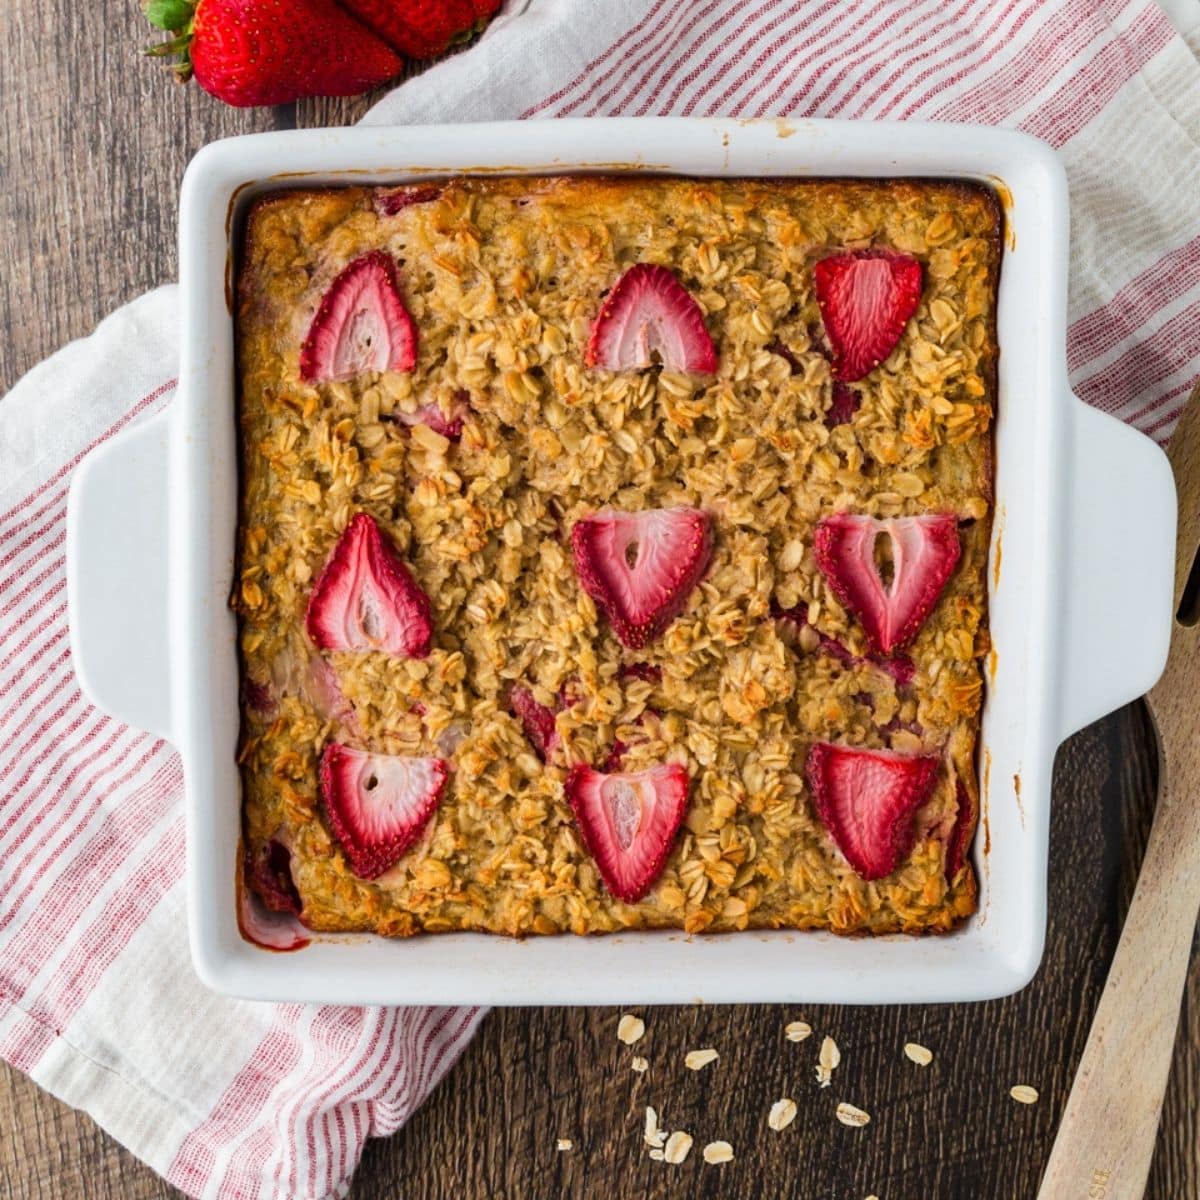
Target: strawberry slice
x=389, y=201
x=900, y=667
x=536, y=719
x=957, y=842
x=366, y=599
x=866, y=800
x=269, y=874
x=360, y=325
x=866, y=299
x=378, y=804
x=640, y=567
x=628, y=822
x=925, y=551
x=650, y=312
x=431, y=415
x=846, y=403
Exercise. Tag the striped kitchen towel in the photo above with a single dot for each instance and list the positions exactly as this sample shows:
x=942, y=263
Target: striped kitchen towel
x=97, y=1000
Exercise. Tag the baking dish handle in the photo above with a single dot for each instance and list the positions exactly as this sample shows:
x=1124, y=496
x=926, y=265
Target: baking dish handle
x=1120, y=561
x=117, y=576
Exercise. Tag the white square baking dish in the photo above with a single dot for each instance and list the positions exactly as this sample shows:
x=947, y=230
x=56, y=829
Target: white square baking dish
x=1080, y=596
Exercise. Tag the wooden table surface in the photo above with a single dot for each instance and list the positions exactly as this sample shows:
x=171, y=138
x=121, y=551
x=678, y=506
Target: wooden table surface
x=92, y=145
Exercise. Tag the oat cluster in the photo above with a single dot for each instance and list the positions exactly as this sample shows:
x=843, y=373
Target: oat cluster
x=503, y=278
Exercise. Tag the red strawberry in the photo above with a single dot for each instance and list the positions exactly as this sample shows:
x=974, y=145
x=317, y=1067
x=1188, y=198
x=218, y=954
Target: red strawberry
x=422, y=28
x=900, y=667
x=956, y=844
x=866, y=800
x=866, y=298
x=536, y=719
x=269, y=930
x=378, y=804
x=249, y=52
x=640, y=567
x=365, y=598
x=650, y=311
x=269, y=873
x=846, y=402
x=629, y=822
x=390, y=201
x=432, y=416
x=360, y=325
x=925, y=551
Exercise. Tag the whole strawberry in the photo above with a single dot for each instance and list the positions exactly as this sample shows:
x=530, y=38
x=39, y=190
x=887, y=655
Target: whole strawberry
x=422, y=28
x=249, y=52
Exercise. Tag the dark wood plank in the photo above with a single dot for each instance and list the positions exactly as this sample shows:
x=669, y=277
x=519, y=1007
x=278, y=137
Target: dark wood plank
x=92, y=147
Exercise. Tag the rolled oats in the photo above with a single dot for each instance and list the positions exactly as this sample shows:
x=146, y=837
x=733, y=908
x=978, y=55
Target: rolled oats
x=918, y=1054
x=718, y=1152
x=848, y=1114
x=782, y=1114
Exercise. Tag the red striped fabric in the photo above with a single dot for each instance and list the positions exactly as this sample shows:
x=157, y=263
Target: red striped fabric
x=90, y=831
x=91, y=846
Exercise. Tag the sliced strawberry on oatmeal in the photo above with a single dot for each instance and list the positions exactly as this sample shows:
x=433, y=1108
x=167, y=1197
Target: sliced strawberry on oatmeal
x=866, y=800
x=360, y=325
x=366, y=599
x=924, y=552
x=431, y=415
x=846, y=403
x=628, y=822
x=536, y=720
x=390, y=201
x=650, y=312
x=956, y=843
x=269, y=873
x=640, y=567
x=378, y=804
x=795, y=620
x=866, y=298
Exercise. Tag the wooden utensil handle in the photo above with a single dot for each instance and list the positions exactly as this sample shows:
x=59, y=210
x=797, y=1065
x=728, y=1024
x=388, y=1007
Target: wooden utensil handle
x=1106, y=1139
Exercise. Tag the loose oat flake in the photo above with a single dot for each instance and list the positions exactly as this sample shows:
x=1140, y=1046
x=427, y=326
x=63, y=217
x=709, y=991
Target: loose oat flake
x=657, y=1155
x=827, y=1059
x=854, y=1117
x=678, y=1147
x=718, y=1152
x=652, y=1135
x=782, y=1114
x=918, y=1054
x=630, y=1029
x=565, y=1144
x=797, y=1031
x=1024, y=1094
x=640, y=1064
x=697, y=1060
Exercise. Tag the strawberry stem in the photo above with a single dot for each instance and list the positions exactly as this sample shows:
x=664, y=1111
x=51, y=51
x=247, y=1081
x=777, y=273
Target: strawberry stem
x=176, y=17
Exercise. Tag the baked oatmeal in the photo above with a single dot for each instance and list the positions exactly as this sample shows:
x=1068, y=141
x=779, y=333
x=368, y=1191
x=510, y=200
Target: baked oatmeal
x=612, y=553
